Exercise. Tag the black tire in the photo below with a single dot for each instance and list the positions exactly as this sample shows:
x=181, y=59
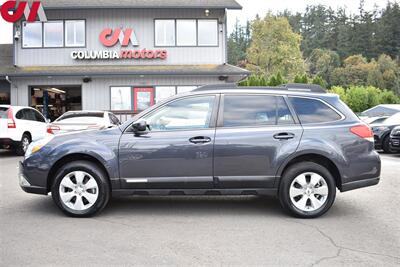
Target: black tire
x=386, y=145
x=20, y=148
x=100, y=177
x=287, y=178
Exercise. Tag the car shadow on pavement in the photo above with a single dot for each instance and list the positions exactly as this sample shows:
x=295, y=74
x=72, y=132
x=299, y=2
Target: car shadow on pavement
x=7, y=154
x=193, y=205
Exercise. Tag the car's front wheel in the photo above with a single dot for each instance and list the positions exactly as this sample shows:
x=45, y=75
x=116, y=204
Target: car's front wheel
x=80, y=189
x=307, y=190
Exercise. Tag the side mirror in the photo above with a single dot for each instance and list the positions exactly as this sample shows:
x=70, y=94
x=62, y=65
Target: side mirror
x=139, y=127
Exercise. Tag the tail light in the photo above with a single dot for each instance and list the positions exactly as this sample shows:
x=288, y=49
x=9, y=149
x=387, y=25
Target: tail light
x=10, y=120
x=363, y=131
x=52, y=128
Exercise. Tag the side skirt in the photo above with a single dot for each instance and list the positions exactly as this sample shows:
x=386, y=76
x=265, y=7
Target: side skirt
x=195, y=192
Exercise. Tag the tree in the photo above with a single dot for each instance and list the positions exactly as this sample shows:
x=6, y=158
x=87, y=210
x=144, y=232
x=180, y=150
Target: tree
x=238, y=42
x=275, y=48
x=355, y=71
x=322, y=63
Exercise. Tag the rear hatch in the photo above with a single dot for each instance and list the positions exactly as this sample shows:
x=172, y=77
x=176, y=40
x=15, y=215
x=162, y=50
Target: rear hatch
x=3, y=122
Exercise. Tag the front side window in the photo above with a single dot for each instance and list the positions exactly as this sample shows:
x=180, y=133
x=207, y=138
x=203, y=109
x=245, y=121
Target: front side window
x=183, y=114
x=75, y=33
x=207, y=32
x=165, y=32
x=313, y=110
x=255, y=110
x=53, y=34
x=32, y=34
x=186, y=32
x=121, y=98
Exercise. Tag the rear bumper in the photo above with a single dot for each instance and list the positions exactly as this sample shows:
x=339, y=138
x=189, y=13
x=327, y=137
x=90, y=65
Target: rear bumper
x=25, y=184
x=359, y=184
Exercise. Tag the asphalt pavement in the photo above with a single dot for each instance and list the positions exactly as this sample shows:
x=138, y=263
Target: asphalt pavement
x=361, y=229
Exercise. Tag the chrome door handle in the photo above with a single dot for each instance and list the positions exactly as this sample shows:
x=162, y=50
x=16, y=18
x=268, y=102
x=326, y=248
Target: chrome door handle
x=200, y=140
x=284, y=136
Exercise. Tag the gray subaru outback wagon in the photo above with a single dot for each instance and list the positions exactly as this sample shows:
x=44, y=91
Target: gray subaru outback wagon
x=296, y=142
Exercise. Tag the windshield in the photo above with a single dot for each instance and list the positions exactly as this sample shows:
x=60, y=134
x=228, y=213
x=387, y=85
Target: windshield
x=393, y=120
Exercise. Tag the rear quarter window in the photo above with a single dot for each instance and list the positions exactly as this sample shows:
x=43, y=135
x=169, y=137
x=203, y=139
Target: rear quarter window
x=312, y=110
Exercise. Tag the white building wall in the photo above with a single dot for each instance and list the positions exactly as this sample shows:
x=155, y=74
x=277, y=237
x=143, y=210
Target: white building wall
x=142, y=21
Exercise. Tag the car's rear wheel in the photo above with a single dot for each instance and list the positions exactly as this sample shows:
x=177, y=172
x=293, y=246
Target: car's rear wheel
x=80, y=189
x=307, y=190
x=22, y=146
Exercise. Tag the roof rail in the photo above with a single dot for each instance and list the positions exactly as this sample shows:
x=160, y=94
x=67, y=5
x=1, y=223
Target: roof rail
x=217, y=86
x=304, y=87
x=299, y=87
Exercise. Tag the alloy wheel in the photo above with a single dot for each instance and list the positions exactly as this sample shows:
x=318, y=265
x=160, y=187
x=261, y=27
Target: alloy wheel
x=25, y=143
x=78, y=190
x=308, y=191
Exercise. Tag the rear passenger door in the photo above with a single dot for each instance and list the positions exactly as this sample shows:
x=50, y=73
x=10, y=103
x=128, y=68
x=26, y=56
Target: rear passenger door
x=254, y=135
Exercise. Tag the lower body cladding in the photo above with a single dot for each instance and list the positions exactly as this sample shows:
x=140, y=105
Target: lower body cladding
x=226, y=185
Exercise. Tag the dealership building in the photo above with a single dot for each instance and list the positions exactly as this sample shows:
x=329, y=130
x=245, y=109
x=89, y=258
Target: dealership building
x=122, y=56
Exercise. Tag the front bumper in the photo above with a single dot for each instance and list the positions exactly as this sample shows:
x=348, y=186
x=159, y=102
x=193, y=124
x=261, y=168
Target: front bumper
x=395, y=143
x=25, y=183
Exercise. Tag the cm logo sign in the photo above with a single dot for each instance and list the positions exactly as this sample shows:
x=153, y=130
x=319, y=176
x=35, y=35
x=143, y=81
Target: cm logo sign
x=22, y=9
x=110, y=37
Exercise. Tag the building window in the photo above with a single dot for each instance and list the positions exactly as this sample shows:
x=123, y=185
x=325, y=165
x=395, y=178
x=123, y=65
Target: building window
x=121, y=98
x=74, y=33
x=165, y=32
x=186, y=32
x=53, y=34
x=163, y=92
x=32, y=34
x=207, y=33
x=184, y=89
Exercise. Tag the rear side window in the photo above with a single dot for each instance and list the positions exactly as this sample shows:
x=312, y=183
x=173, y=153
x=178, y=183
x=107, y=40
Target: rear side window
x=255, y=110
x=3, y=113
x=313, y=111
x=38, y=116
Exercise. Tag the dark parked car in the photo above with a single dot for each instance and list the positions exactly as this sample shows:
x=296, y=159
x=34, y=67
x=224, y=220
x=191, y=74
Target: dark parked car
x=395, y=139
x=382, y=132
x=295, y=142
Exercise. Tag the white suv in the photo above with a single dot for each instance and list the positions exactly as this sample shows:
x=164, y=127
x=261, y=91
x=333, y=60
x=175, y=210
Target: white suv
x=19, y=126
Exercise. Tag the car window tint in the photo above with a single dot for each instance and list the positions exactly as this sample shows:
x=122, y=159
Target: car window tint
x=28, y=115
x=81, y=115
x=85, y=120
x=20, y=115
x=113, y=119
x=38, y=116
x=184, y=114
x=313, y=110
x=253, y=110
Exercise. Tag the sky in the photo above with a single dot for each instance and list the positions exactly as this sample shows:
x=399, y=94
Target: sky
x=250, y=9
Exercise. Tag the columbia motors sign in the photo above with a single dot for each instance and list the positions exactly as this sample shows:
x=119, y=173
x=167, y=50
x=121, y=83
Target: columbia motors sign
x=122, y=37
x=13, y=12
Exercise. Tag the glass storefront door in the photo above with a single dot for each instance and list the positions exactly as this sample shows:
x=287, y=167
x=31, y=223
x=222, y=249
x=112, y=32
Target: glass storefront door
x=143, y=98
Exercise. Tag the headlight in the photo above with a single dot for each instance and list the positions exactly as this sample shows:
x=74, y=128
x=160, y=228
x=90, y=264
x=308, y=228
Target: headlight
x=37, y=145
x=380, y=129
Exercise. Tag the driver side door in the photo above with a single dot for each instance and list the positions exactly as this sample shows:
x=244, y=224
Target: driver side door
x=178, y=150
